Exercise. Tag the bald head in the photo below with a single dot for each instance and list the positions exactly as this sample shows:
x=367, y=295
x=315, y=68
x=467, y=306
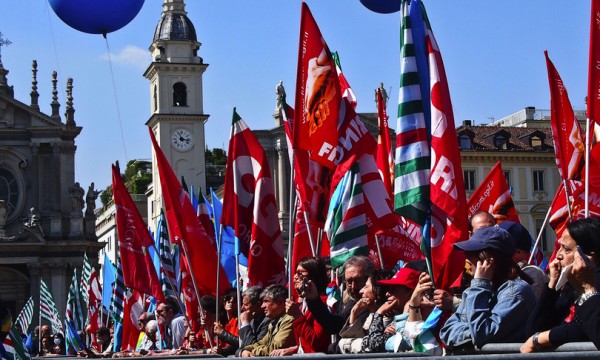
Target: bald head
x=481, y=219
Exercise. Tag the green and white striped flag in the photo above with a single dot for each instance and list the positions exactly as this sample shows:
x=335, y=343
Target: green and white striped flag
x=346, y=223
x=74, y=313
x=412, y=158
x=48, y=308
x=13, y=345
x=86, y=272
x=26, y=315
x=117, y=301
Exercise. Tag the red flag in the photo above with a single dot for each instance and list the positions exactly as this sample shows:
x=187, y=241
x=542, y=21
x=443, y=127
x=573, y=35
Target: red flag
x=396, y=244
x=593, y=97
x=318, y=94
x=447, y=190
x=377, y=199
x=385, y=159
x=250, y=207
x=134, y=239
x=133, y=308
x=189, y=294
x=95, y=301
x=312, y=179
x=493, y=196
x=186, y=230
x=204, y=216
x=569, y=144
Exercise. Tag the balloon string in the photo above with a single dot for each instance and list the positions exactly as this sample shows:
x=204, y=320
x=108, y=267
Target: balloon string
x=112, y=76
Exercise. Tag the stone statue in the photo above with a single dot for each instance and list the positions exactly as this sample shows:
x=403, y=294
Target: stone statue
x=76, y=192
x=384, y=95
x=34, y=221
x=280, y=91
x=90, y=200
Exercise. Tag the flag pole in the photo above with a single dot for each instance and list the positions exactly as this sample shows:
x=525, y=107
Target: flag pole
x=291, y=222
x=185, y=253
x=567, y=198
x=539, y=236
x=219, y=237
x=587, y=167
x=310, y=236
x=379, y=251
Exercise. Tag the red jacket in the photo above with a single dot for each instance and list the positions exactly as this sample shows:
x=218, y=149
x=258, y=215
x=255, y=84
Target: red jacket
x=310, y=334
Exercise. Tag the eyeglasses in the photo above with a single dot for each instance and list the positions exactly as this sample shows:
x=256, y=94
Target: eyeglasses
x=356, y=280
x=301, y=273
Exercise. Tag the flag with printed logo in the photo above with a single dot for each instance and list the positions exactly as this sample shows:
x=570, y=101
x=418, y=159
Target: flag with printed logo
x=250, y=206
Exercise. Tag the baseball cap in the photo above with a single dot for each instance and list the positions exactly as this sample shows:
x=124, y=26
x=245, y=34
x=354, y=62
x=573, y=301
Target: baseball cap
x=520, y=235
x=490, y=237
x=404, y=276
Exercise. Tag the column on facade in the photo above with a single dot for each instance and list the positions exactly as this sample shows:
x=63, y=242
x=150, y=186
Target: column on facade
x=282, y=180
x=35, y=170
x=57, y=204
x=34, y=289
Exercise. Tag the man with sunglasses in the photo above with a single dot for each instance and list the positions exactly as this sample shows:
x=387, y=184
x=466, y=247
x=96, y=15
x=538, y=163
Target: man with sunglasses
x=169, y=315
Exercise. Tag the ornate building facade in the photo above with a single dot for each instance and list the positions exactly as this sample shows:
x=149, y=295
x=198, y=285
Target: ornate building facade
x=43, y=229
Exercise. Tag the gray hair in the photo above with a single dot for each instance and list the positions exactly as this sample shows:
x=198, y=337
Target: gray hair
x=362, y=262
x=253, y=294
x=151, y=327
x=275, y=292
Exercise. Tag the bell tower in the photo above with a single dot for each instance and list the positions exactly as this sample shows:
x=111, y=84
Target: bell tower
x=176, y=102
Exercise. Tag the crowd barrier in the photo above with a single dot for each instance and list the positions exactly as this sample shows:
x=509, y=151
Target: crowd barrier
x=582, y=350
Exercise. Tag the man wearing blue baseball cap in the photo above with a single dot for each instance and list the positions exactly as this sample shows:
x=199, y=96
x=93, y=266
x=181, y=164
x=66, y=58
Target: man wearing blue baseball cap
x=494, y=307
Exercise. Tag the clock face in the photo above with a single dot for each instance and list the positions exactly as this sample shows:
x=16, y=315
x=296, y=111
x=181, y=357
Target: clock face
x=182, y=139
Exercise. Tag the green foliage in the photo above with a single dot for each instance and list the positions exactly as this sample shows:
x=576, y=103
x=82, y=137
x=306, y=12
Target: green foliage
x=216, y=156
x=137, y=177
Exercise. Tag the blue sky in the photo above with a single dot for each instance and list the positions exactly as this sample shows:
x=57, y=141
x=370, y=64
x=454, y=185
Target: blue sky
x=492, y=50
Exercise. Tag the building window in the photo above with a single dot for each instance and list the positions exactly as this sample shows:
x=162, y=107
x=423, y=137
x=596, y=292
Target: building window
x=538, y=229
x=179, y=94
x=536, y=142
x=465, y=142
x=507, y=177
x=538, y=180
x=469, y=176
x=501, y=142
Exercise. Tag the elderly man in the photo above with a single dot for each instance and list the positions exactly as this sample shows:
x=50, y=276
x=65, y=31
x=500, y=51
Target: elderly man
x=280, y=332
x=253, y=323
x=357, y=270
x=168, y=314
x=480, y=219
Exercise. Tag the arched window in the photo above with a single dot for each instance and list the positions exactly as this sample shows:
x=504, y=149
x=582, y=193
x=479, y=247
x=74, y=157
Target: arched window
x=179, y=94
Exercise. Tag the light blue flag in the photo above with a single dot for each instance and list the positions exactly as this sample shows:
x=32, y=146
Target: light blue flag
x=109, y=272
x=228, y=241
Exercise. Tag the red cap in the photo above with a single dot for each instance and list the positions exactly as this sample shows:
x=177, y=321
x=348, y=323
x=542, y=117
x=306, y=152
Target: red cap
x=404, y=276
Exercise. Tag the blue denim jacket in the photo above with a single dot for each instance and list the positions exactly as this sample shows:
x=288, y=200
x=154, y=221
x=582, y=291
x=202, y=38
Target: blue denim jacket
x=486, y=316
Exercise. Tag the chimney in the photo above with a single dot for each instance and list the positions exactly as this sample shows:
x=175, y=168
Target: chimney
x=467, y=123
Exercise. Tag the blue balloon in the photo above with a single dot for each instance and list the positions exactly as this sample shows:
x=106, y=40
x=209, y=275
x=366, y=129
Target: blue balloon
x=96, y=16
x=382, y=6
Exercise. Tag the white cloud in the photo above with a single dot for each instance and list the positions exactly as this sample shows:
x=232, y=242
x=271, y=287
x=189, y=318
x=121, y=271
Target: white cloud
x=131, y=55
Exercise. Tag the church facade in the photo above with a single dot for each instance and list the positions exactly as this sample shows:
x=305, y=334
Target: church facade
x=44, y=231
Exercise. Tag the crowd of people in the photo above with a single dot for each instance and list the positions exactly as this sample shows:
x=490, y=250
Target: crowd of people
x=499, y=299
